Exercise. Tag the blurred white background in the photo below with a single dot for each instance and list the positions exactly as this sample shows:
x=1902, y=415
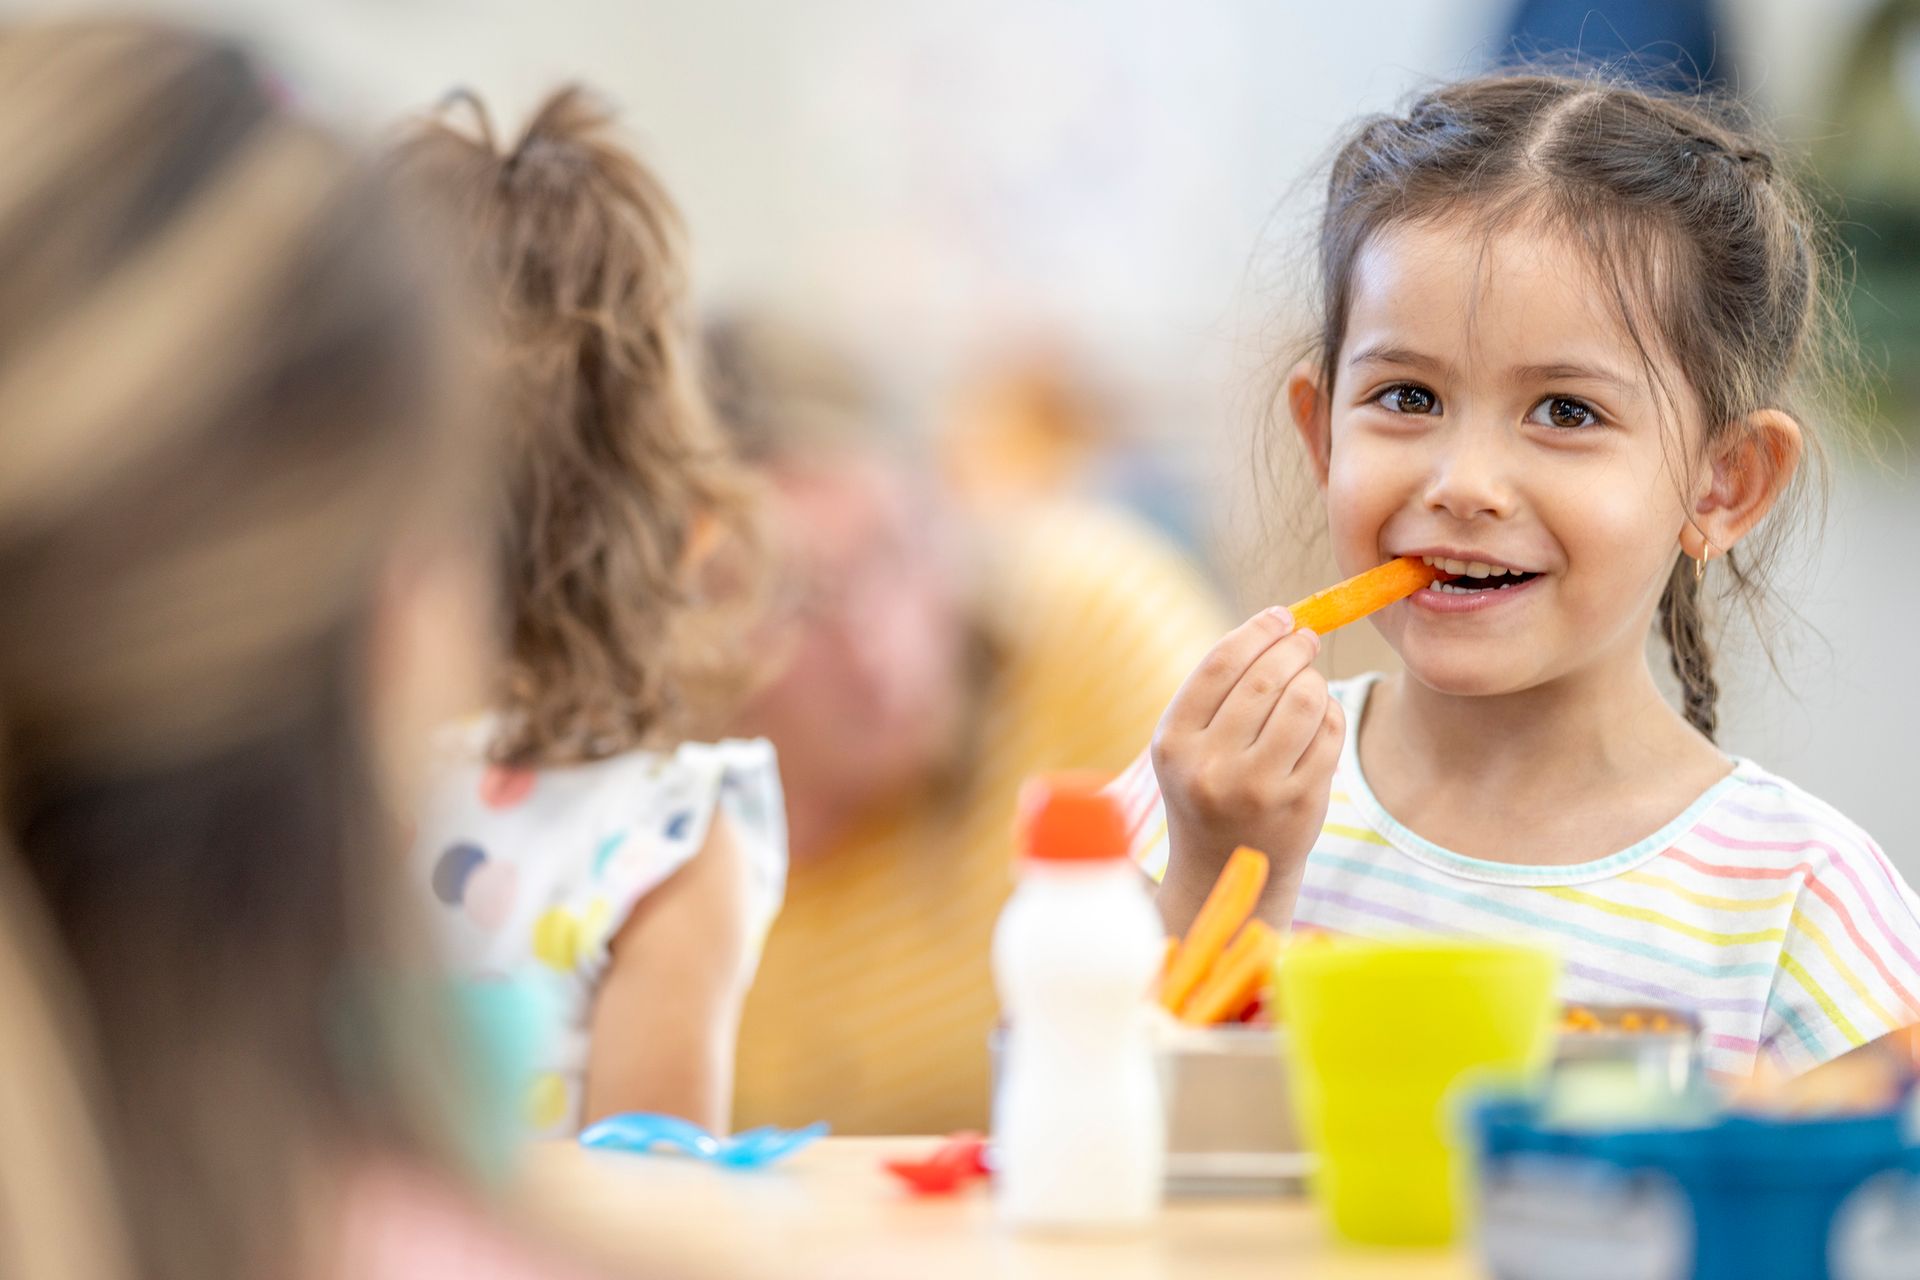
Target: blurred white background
x=938, y=182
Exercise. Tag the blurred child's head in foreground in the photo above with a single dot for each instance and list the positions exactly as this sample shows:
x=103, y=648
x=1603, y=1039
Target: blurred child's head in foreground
x=227, y=386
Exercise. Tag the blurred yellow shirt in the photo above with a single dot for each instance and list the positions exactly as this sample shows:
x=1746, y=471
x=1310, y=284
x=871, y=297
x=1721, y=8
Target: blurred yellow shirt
x=875, y=994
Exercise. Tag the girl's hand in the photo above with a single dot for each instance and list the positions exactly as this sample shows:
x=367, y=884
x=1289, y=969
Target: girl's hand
x=1245, y=755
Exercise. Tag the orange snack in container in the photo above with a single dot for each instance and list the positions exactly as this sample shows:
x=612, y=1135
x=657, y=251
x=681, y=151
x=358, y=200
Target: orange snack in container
x=1227, y=907
x=1238, y=979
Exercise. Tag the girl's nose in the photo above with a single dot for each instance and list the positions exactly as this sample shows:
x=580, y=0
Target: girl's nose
x=1471, y=475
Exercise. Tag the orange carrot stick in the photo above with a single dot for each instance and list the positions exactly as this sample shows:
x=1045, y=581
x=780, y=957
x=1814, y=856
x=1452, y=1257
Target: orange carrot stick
x=1227, y=907
x=1237, y=979
x=1363, y=593
x=1228, y=958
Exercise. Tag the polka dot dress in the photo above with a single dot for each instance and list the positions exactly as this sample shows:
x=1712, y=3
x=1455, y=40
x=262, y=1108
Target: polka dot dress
x=534, y=871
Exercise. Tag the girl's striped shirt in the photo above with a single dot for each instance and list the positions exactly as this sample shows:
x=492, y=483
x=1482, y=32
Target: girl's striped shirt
x=1760, y=908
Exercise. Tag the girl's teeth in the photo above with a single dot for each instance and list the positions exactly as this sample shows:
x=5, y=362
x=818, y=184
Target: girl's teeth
x=1447, y=588
x=1468, y=568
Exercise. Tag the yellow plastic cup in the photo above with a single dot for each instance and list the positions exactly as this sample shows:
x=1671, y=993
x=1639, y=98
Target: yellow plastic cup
x=1381, y=1034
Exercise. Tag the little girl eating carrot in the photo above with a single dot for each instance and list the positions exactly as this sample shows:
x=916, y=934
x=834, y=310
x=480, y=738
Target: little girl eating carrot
x=581, y=830
x=1566, y=333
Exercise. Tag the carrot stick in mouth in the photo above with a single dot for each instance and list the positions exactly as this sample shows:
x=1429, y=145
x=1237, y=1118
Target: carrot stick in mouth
x=1362, y=594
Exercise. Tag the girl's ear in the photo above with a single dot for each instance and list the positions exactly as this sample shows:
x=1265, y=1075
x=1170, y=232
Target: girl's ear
x=1749, y=471
x=1312, y=417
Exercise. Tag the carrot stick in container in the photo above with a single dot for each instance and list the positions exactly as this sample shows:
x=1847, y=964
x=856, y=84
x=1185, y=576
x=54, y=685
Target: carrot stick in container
x=1238, y=978
x=1227, y=907
x=1362, y=594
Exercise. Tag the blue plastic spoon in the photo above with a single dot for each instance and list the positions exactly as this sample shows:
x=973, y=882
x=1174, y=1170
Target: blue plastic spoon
x=643, y=1132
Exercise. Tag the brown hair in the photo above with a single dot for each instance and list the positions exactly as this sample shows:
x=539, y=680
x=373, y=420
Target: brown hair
x=1712, y=253
x=616, y=473
x=224, y=373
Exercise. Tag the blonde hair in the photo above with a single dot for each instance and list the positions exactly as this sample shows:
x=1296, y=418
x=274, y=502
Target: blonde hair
x=224, y=374
x=782, y=393
x=624, y=626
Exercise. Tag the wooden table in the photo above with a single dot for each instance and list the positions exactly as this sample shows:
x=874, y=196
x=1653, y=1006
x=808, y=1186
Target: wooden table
x=830, y=1213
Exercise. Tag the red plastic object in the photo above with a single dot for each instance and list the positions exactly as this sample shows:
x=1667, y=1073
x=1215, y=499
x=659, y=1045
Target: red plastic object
x=959, y=1160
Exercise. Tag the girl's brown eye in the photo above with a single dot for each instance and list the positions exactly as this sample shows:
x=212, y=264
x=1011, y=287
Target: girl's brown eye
x=1407, y=398
x=1565, y=412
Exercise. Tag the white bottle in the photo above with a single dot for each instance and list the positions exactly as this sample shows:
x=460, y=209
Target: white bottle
x=1079, y=1124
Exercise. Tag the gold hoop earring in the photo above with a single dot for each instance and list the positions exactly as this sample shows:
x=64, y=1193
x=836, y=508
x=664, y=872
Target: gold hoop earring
x=1700, y=564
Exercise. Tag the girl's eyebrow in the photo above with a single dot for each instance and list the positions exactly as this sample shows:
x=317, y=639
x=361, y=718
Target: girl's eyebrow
x=1385, y=353
x=1558, y=372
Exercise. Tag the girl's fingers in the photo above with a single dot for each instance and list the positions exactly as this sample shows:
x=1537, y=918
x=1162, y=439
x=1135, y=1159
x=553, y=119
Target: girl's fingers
x=1306, y=744
x=1298, y=718
x=1261, y=688
x=1200, y=698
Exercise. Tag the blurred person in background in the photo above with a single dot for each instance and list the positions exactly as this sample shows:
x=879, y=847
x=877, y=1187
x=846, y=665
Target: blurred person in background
x=1677, y=45
x=1026, y=430
x=235, y=592
x=1041, y=425
x=1870, y=160
x=919, y=668
x=581, y=830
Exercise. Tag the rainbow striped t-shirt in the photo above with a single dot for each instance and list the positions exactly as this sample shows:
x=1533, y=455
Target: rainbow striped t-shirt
x=1760, y=908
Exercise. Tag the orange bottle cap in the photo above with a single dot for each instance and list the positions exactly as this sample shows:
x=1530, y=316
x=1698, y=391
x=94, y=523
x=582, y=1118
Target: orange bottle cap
x=1070, y=817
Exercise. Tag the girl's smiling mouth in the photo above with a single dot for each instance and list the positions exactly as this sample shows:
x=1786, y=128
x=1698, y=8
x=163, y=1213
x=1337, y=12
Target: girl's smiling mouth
x=1476, y=585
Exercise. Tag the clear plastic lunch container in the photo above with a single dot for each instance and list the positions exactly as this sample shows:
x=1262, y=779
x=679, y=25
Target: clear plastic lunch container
x=1230, y=1123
